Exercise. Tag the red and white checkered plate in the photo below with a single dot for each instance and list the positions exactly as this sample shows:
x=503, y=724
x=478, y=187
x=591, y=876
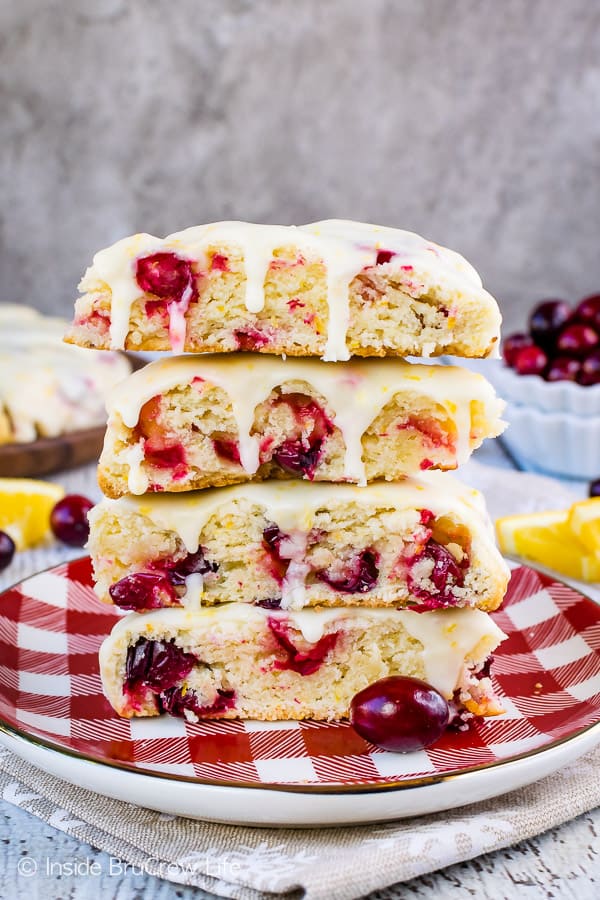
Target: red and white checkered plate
x=51, y=625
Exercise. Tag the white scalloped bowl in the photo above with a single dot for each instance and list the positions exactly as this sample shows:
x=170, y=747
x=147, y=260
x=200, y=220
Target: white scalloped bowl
x=531, y=390
x=556, y=443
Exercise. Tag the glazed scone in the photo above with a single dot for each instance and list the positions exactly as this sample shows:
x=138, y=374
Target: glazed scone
x=204, y=421
x=426, y=543
x=47, y=388
x=237, y=661
x=331, y=289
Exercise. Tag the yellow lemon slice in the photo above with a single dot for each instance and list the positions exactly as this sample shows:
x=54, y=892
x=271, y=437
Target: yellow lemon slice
x=547, y=538
x=25, y=507
x=584, y=522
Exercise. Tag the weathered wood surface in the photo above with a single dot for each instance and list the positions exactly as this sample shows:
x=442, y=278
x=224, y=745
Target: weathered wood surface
x=564, y=864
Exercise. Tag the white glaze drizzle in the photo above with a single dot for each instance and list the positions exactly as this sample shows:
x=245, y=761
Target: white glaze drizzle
x=447, y=636
x=194, y=589
x=346, y=248
x=293, y=505
x=356, y=391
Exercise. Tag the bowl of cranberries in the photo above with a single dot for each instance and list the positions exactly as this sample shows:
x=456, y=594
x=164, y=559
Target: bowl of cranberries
x=550, y=378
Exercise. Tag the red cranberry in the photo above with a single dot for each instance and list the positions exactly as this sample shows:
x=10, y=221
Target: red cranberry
x=219, y=263
x=160, y=450
x=250, y=339
x=512, y=345
x=400, y=714
x=594, y=488
x=577, y=340
x=148, y=424
x=157, y=665
x=445, y=574
x=384, y=256
x=175, y=701
x=359, y=577
x=547, y=319
x=304, y=662
x=292, y=458
x=588, y=311
x=563, y=368
x=143, y=590
x=69, y=520
x=531, y=361
x=228, y=450
x=270, y=603
x=485, y=669
x=164, y=275
x=169, y=457
x=300, y=455
x=589, y=373
x=272, y=538
x=7, y=550
x=192, y=564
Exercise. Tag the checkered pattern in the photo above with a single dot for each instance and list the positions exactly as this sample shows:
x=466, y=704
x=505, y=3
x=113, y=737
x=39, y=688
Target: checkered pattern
x=52, y=624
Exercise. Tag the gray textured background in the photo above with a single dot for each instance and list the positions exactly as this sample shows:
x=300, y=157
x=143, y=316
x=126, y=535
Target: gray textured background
x=475, y=122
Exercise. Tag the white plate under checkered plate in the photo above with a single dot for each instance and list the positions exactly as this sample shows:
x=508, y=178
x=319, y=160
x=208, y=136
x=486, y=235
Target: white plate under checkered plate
x=53, y=714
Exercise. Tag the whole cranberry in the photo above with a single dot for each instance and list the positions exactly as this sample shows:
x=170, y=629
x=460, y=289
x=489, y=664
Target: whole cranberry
x=590, y=369
x=577, y=340
x=563, y=368
x=546, y=320
x=69, y=520
x=531, y=361
x=588, y=311
x=594, y=488
x=512, y=345
x=164, y=275
x=7, y=550
x=400, y=714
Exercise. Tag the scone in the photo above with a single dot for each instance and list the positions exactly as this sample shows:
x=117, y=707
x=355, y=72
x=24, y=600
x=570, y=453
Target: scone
x=46, y=388
x=205, y=421
x=331, y=289
x=238, y=661
x=425, y=544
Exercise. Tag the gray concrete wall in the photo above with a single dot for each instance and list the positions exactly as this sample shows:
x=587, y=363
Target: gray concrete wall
x=475, y=122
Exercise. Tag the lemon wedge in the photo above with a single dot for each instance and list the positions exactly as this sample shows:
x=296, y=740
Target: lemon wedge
x=584, y=522
x=25, y=507
x=547, y=538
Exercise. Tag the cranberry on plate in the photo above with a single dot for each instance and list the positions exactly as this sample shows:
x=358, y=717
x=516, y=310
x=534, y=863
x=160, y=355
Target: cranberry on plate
x=400, y=714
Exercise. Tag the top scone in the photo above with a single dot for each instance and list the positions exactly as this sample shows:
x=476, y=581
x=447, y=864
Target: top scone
x=332, y=289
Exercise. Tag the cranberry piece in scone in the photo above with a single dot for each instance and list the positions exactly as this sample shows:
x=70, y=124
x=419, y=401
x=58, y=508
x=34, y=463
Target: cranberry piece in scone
x=165, y=275
x=143, y=590
x=445, y=574
x=358, y=576
x=157, y=665
x=177, y=701
x=304, y=662
x=301, y=453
